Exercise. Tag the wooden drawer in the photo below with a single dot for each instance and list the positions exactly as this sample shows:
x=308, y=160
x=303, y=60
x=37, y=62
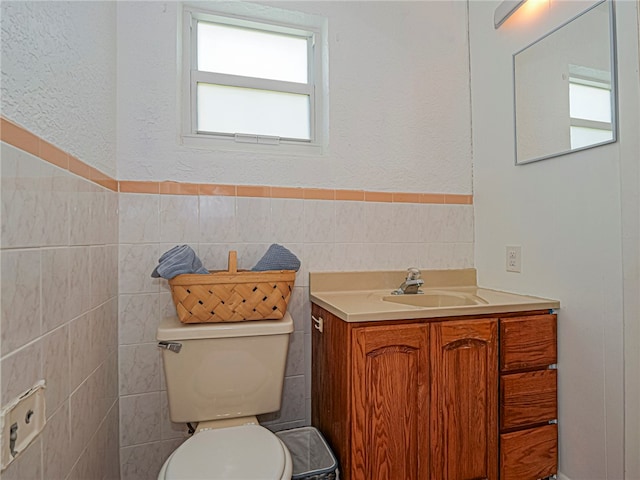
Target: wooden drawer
x=528, y=398
x=529, y=454
x=527, y=342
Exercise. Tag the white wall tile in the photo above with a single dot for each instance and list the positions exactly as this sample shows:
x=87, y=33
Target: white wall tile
x=56, y=296
x=379, y=222
x=20, y=371
x=79, y=280
x=253, y=220
x=295, y=307
x=317, y=257
x=179, y=219
x=215, y=256
x=432, y=219
x=82, y=229
x=56, y=458
x=88, y=465
x=136, y=264
x=449, y=255
x=287, y=220
x=139, y=218
x=99, y=341
x=55, y=367
x=111, y=218
x=111, y=380
x=140, y=418
x=217, y=223
x=80, y=349
x=22, y=199
x=319, y=221
x=139, y=318
x=250, y=253
x=53, y=205
x=112, y=447
x=351, y=256
x=99, y=274
x=141, y=462
x=109, y=330
x=139, y=368
x=167, y=306
x=20, y=295
x=293, y=403
x=83, y=415
x=350, y=222
x=295, y=355
x=404, y=225
x=27, y=466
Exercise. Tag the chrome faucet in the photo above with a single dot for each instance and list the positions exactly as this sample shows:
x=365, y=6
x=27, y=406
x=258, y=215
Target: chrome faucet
x=411, y=285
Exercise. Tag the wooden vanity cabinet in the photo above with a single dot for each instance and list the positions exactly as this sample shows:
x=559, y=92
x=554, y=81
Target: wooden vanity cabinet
x=528, y=398
x=410, y=400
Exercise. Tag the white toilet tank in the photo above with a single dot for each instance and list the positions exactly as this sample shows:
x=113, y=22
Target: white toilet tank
x=224, y=370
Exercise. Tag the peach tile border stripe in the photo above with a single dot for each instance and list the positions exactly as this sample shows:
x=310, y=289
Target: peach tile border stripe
x=25, y=140
x=21, y=138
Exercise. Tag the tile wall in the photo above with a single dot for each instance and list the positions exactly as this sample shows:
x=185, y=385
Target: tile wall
x=325, y=234
x=80, y=309
x=59, y=299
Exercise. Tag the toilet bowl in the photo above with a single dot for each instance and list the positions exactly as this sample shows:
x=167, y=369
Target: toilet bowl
x=245, y=452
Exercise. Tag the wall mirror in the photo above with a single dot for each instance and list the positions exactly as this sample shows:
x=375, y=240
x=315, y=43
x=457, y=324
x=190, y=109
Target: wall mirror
x=565, y=88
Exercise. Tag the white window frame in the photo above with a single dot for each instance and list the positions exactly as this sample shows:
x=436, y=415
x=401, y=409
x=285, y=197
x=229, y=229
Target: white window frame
x=592, y=124
x=581, y=122
x=315, y=87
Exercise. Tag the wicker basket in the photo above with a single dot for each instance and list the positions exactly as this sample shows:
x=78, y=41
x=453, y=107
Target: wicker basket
x=232, y=296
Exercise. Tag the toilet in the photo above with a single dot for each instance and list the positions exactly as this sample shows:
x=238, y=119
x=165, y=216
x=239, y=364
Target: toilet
x=221, y=376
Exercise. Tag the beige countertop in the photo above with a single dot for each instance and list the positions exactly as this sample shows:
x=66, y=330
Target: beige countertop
x=366, y=296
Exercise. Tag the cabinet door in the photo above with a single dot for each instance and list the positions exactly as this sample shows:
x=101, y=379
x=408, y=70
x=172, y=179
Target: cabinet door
x=464, y=400
x=390, y=403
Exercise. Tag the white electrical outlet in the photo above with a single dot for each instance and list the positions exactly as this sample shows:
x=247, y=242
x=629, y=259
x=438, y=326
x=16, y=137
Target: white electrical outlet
x=21, y=422
x=514, y=259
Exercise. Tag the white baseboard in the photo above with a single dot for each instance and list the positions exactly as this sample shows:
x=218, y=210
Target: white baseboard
x=562, y=477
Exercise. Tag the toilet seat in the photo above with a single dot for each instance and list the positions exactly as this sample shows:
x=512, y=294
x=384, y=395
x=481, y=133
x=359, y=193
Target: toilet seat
x=246, y=452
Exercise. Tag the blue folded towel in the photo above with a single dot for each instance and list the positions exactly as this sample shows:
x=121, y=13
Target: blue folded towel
x=180, y=259
x=277, y=257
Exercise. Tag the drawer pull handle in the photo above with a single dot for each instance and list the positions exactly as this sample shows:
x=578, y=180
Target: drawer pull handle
x=553, y=422
x=553, y=366
x=318, y=323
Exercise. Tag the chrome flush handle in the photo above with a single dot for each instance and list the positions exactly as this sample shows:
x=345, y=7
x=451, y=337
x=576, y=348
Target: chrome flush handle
x=172, y=346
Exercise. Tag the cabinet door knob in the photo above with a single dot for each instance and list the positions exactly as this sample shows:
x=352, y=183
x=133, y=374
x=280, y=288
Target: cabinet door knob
x=318, y=323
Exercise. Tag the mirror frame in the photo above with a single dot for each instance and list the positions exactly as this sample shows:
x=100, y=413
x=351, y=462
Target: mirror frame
x=614, y=86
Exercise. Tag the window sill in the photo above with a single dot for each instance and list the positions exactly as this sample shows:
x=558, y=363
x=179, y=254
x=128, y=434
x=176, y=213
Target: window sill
x=207, y=142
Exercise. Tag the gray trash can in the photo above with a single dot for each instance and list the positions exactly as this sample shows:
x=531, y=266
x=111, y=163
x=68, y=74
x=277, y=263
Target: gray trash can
x=311, y=455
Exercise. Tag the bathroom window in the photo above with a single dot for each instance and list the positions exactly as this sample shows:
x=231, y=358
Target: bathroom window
x=589, y=111
x=251, y=84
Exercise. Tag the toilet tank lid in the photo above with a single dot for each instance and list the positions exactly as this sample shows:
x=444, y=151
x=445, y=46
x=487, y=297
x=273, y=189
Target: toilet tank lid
x=171, y=328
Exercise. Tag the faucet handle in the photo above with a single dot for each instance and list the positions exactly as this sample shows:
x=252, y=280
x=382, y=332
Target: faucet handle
x=413, y=273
